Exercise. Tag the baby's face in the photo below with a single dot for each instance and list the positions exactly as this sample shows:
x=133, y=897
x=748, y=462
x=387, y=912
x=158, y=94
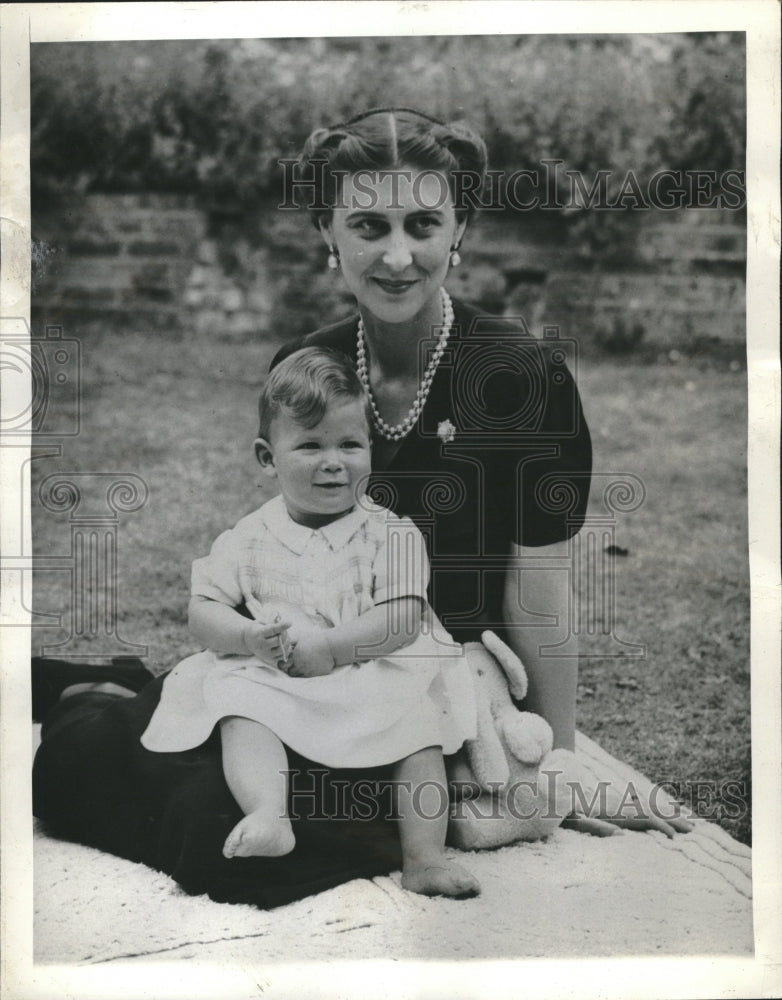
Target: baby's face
x=322, y=470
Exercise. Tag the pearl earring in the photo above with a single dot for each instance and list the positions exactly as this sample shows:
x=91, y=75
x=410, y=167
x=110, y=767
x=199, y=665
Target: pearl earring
x=455, y=260
x=333, y=258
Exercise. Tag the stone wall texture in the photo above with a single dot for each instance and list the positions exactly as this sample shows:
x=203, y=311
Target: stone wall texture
x=676, y=280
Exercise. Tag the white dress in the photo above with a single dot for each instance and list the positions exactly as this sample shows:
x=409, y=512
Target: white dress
x=359, y=715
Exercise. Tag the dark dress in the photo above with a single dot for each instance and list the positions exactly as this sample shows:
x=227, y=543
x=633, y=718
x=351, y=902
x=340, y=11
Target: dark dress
x=517, y=470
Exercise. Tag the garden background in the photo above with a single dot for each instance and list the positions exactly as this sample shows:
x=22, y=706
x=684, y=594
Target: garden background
x=162, y=261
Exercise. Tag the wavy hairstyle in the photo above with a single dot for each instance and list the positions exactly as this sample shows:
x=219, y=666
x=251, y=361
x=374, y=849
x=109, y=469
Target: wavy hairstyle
x=386, y=139
x=304, y=384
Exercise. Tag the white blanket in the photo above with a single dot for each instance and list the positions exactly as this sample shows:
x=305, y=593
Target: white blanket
x=570, y=896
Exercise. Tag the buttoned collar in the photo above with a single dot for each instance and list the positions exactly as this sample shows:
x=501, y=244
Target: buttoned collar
x=297, y=536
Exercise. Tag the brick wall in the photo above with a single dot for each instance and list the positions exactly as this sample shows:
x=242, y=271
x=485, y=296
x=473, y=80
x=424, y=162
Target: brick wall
x=125, y=258
x=673, y=310
x=678, y=277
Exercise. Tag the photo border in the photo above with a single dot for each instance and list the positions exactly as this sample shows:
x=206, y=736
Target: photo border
x=718, y=977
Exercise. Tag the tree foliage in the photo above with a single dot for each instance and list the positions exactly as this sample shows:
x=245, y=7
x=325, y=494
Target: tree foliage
x=213, y=118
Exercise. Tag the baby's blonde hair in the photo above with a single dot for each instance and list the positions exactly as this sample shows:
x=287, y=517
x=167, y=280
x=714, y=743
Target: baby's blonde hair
x=305, y=383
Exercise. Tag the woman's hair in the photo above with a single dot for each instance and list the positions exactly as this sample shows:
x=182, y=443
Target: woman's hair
x=386, y=139
x=305, y=383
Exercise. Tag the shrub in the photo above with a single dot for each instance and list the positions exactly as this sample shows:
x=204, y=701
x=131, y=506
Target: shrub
x=214, y=117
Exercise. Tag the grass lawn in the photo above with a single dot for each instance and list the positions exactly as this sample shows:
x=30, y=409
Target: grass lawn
x=180, y=413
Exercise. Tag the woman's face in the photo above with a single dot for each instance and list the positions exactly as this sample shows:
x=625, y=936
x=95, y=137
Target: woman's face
x=393, y=231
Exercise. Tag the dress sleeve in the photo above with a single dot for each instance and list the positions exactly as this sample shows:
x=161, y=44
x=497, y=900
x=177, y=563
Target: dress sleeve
x=217, y=576
x=401, y=566
x=538, y=468
x=553, y=491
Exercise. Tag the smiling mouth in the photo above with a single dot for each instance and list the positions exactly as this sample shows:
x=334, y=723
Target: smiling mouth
x=394, y=287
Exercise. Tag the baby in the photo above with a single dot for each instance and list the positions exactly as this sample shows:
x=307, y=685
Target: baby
x=337, y=665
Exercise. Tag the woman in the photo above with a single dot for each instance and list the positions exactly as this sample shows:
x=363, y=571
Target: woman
x=488, y=497
x=479, y=436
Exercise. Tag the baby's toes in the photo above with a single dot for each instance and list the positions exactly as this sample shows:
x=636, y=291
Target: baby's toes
x=445, y=878
x=461, y=883
x=233, y=842
x=260, y=835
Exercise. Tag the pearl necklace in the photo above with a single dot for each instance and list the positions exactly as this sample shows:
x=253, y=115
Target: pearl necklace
x=399, y=431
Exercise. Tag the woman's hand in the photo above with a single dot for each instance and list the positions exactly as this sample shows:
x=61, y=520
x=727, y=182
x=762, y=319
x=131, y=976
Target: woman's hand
x=602, y=804
x=311, y=656
x=268, y=642
x=608, y=827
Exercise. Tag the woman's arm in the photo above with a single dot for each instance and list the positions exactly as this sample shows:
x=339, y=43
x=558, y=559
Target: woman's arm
x=381, y=630
x=224, y=630
x=533, y=586
x=538, y=581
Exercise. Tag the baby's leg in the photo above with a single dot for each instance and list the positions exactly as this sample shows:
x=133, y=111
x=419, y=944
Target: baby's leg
x=422, y=804
x=255, y=766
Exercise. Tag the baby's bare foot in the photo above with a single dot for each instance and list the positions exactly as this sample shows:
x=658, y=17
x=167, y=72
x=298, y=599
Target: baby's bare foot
x=260, y=835
x=440, y=877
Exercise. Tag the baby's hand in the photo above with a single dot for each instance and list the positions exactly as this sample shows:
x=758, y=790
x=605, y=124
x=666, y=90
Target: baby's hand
x=311, y=655
x=268, y=642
